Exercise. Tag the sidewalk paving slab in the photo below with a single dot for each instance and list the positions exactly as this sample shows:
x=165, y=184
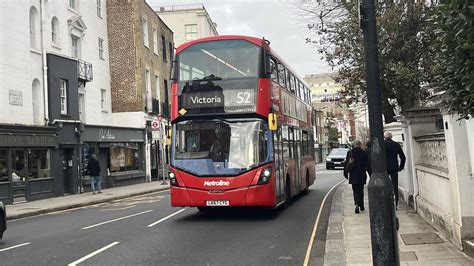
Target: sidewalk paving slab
x=37, y=207
x=356, y=241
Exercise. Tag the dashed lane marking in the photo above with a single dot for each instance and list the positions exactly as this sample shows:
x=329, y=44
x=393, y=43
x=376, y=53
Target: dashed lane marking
x=315, y=228
x=92, y=254
x=117, y=219
x=166, y=218
x=17, y=246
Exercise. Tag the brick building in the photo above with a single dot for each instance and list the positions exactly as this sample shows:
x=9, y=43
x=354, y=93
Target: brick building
x=141, y=51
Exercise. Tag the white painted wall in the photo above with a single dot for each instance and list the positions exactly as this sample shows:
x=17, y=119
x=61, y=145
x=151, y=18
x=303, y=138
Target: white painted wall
x=20, y=65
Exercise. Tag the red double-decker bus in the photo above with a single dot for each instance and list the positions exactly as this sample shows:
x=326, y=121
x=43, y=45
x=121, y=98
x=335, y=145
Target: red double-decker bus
x=241, y=126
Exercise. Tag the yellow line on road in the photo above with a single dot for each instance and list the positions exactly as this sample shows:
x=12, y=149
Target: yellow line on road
x=315, y=228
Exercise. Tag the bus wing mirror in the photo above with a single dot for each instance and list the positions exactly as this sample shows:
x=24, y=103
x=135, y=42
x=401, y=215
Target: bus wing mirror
x=272, y=121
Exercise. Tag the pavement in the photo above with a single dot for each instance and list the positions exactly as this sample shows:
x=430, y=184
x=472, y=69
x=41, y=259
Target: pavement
x=27, y=209
x=348, y=236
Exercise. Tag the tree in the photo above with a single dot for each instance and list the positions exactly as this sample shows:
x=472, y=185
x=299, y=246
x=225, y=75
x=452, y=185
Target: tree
x=405, y=36
x=455, y=55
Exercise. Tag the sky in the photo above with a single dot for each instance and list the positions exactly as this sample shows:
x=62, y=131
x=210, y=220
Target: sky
x=273, y=19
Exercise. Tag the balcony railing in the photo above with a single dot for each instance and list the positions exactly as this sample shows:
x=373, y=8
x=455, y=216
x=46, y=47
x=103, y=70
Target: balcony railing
x=84, y=71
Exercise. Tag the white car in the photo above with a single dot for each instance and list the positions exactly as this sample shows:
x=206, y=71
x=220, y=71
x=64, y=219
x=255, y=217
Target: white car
x=3, y=219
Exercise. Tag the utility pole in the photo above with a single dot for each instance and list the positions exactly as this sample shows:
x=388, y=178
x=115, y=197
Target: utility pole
x=383, y=229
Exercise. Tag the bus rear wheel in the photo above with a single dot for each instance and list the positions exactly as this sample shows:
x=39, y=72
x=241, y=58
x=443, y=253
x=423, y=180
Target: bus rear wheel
x=306, y=190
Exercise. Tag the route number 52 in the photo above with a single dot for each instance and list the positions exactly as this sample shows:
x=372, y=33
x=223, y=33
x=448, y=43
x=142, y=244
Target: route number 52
x=243, y=97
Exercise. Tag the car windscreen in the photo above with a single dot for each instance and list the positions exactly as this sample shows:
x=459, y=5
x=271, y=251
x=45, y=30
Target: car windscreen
x=339, y=152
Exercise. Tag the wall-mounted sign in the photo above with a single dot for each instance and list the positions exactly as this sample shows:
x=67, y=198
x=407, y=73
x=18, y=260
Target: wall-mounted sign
x=16, y=97
x=106, y=134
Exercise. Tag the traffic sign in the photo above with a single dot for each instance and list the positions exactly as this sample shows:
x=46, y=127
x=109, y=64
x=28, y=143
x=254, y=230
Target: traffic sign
x=155, y=124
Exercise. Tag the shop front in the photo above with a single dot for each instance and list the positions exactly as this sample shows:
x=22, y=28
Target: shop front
x=26, y=163
x=120, y=152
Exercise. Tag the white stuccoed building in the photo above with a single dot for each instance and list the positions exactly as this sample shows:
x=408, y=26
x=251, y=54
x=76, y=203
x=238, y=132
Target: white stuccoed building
x=55, y=101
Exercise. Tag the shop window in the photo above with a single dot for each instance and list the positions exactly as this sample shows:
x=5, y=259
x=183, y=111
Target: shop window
x=39, y=163
x=4, y=166
x=19, y=170
x=124, y=157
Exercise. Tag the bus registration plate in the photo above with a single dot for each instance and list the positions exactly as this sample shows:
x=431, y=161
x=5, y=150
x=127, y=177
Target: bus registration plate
x=217, y=203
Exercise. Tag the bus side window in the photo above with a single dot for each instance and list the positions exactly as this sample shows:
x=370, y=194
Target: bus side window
x=291, y=137
x=305, y=144
x=282, y=75
x=274, y=68
x=286, y=142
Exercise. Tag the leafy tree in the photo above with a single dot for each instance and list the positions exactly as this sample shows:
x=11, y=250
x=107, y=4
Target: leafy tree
x=455, y=47
x=405, y=54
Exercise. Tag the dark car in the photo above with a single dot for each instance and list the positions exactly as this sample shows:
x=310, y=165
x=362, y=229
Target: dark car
x=3, y=219
x=336, y=158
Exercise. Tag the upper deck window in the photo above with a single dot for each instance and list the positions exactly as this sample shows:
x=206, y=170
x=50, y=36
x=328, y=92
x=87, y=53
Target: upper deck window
x=219, y=60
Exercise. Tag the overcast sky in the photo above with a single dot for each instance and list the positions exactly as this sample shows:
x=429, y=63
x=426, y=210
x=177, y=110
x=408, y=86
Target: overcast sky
x=272, y=19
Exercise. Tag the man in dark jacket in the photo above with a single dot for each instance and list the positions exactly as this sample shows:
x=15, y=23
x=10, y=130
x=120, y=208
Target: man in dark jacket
x=393, y=150
x=357, y=173
x=94, y=171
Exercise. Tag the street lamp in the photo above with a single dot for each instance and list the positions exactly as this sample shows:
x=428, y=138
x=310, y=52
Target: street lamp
x=381, y=197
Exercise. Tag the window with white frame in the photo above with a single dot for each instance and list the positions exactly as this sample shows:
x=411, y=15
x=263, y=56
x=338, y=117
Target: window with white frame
x=148, y=89
x=190, y=32
x=75, y=46
x=157, y=82
x=55, y=30
x=103, y=103
x=63, y=96
x=101, y=48
x=99, y=8
x=73, y=4
x=145, y=31
x=34, y=25
x=155, y=41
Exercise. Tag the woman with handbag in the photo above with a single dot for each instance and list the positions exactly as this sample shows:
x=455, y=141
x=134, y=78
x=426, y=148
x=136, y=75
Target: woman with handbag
x=355, y=169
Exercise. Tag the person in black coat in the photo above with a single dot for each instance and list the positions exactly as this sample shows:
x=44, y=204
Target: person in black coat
x=393, y=150
x=94, y=171
x=357, y=174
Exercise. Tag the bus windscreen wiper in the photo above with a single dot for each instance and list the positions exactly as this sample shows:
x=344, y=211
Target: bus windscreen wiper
x=210, y=77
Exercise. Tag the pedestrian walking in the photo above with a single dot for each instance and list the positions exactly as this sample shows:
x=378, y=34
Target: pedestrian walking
x=393, y=150
x=94, y=171
x=356, y=168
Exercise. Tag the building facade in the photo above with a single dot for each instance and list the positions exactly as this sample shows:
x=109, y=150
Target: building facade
x=326, y=99
x=55, y=100
x=188, y=22
x=141, y=52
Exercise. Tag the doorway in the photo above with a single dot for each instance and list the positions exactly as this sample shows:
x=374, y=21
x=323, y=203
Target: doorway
x=19, y=175
x=67, y=169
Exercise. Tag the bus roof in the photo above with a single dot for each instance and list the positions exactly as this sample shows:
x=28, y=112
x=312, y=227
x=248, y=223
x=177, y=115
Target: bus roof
x=257, y=41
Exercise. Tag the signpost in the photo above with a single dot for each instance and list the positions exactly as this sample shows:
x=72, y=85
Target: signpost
x=159, y=135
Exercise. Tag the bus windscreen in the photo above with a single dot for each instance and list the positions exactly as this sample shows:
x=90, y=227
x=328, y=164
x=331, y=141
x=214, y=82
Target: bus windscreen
x=220, y=147
x=219, y=60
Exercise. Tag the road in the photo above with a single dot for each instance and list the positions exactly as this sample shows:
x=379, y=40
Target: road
x=145, y=230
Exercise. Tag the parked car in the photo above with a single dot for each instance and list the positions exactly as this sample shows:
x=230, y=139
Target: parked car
x=3, y=219
x=336, y=158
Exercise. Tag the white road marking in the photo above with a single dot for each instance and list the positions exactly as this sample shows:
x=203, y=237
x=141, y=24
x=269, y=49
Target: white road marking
x=17, y=246
x=166, y=218
x=117, y=219
x=315, y=228
x=92, y=254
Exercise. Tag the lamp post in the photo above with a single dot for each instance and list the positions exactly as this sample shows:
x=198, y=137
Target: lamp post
x=381, y=197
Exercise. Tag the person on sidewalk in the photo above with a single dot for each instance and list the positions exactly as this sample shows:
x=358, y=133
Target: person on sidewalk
x=393, y=150
x=94, y=171
x=355, y=169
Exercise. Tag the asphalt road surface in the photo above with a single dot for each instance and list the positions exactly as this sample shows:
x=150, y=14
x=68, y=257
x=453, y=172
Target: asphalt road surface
x=145, y=230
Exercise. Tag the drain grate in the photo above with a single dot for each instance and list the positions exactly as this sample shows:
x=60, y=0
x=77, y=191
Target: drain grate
x=421, y=238
x=408, y=256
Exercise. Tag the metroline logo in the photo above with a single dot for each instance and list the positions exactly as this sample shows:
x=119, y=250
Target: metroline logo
x=216, y=183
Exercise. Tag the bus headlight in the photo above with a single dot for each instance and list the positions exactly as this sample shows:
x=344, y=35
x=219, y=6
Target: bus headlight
x=265, y=176
x=173, y=180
